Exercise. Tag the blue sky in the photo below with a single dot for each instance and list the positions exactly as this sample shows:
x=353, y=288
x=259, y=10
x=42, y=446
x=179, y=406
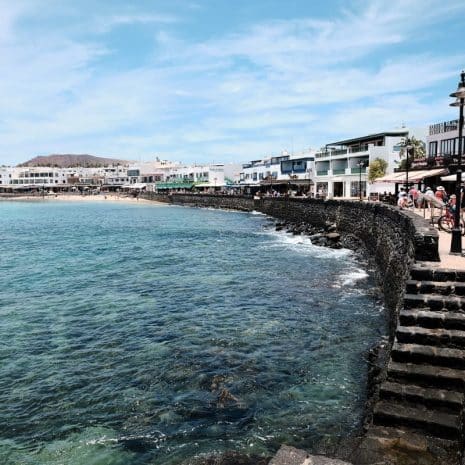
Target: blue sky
x=220, y=80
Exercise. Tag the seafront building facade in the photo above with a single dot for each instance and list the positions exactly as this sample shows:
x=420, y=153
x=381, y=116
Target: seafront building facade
x=442, y=144
x=206, y=177
x=152, y=176
x=341, y=168
x=292, y=170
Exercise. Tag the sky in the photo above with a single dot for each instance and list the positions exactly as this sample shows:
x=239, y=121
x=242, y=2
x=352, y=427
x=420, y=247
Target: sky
x=201, y=81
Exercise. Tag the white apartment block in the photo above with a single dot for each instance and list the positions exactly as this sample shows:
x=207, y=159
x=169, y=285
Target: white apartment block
x=442, y=144
x=283, y=169
x=48, y=177
x=341, y=167
x=210, y=176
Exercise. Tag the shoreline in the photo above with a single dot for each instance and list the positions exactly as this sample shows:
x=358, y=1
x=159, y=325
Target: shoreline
x=81, y=198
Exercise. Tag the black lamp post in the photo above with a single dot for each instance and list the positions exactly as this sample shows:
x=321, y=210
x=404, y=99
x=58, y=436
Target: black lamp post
x=360, y=164
x=456, y=242
x=409, y=150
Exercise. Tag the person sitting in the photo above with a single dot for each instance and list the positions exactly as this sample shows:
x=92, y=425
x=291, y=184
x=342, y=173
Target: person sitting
x=402, y=202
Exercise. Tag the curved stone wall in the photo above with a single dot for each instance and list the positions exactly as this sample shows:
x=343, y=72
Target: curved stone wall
x=394, y=238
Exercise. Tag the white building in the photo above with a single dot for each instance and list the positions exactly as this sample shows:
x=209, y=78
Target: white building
x=442, y=143
x=341, y=167
x=16, y=178
x=285, y=169
x=208, y=176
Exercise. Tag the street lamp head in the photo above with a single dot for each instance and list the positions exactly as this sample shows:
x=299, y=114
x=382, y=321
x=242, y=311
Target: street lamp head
x=456, y=103
x=460, y=92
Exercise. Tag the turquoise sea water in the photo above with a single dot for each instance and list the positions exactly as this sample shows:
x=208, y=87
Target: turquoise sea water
x=146, y=334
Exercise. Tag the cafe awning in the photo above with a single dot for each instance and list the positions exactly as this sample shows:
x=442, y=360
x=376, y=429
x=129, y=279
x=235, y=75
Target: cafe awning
x=413, y=176
x=174, y=185
x=450, y=177
x=137, y=185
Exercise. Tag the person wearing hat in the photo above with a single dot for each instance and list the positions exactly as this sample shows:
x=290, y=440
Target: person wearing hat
x=441, y=194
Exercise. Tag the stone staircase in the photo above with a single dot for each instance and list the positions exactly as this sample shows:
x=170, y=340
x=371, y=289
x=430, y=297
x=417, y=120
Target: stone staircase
x=425, y=384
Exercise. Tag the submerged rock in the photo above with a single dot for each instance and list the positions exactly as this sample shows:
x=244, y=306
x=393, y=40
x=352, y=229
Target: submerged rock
x=229, y=458
x=291, y=456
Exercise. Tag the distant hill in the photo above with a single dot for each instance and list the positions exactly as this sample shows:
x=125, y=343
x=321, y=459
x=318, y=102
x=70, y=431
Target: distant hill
x=70, y=161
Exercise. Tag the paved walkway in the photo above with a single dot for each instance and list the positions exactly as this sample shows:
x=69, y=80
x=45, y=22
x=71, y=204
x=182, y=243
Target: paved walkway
x=447, y=260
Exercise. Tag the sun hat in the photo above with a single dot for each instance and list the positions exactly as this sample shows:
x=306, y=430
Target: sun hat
x=440, y=188
x=453, y=196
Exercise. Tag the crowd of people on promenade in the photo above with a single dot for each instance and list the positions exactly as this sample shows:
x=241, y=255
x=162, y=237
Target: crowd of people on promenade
x=428, y=198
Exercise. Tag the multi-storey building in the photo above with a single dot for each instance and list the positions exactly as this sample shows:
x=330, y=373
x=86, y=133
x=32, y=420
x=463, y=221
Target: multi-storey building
x=341, y=167
x=22, y=178
x=285, y=169
x=442, y=144
x=206, y=177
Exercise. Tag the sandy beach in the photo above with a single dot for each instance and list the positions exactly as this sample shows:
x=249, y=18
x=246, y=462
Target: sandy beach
x=109, y=197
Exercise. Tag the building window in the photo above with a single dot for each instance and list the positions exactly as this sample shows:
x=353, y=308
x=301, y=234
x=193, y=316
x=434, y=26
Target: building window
x=433, y=149
x=448, y=147
x=355, y=188
x=286, y=167
x=299, y=166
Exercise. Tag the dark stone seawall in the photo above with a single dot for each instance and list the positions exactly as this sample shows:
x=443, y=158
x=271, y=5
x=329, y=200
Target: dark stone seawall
x=393, y=238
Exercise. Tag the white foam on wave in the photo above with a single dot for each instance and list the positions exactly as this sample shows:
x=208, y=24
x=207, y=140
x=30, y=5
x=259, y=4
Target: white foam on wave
x=303, y=244
x=103, y=440
x=255, y=212
x=351, y=277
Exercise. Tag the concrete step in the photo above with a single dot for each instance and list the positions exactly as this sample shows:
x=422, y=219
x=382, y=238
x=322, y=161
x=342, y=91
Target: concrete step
x=440, y=337
x=434, y=302
x=435, y=287
x=428, y=376
x=419, y=273
x=431, y=319
x=440, y=399
x=439, y=424
x=424, y=354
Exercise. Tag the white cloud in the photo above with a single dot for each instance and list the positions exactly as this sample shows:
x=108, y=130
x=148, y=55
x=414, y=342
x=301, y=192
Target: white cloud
x=106, y=24
x=256, y=91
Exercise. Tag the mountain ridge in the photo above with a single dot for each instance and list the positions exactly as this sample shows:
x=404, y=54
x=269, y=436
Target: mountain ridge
x=71, y=161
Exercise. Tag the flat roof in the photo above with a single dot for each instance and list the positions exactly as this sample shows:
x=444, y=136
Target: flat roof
x=403, y=132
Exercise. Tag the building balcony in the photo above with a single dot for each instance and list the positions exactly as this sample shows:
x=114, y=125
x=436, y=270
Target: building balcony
x=356, y=170
x=363, y=148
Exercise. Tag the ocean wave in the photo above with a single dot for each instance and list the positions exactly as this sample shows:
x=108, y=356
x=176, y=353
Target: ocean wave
x=303, y=244
x=351, y=277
